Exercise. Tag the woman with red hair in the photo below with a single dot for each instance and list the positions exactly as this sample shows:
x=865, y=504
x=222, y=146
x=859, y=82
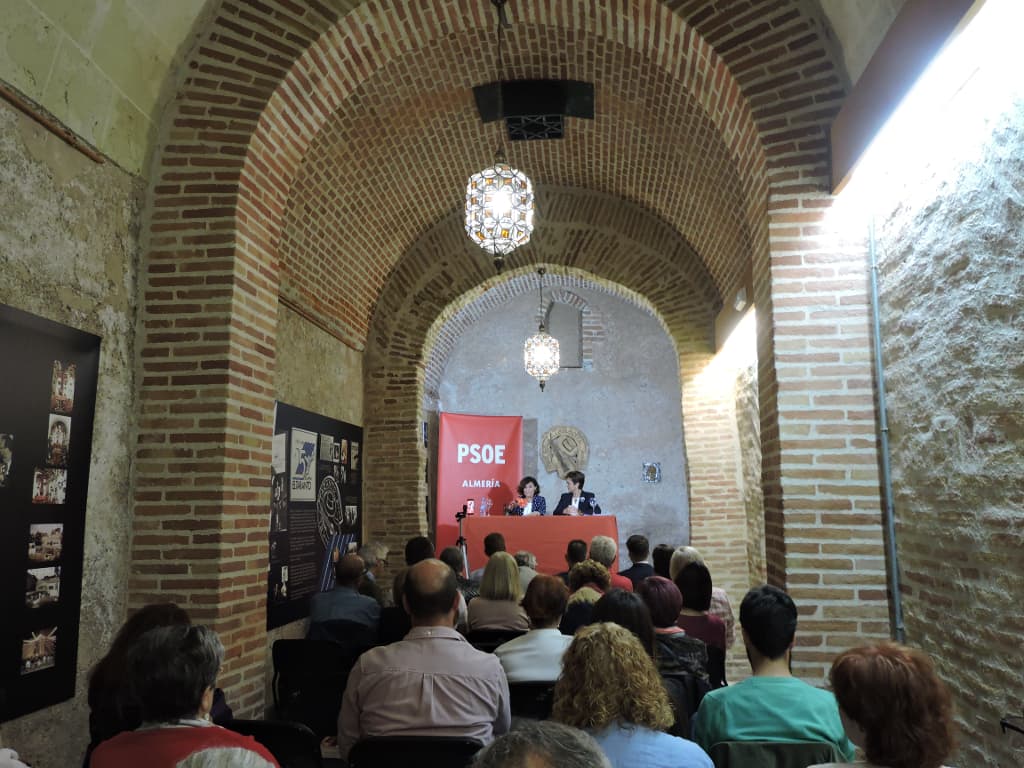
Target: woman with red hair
x=893, y=706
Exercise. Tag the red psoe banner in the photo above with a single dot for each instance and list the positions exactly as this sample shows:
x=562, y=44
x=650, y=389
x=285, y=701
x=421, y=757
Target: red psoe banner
x=479, y=464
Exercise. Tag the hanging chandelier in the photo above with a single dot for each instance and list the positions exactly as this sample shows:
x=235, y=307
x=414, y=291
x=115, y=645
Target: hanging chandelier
x=540, y=352
x=499, y=199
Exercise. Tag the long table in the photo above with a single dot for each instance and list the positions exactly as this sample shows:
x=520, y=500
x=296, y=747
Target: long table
x=545, y=536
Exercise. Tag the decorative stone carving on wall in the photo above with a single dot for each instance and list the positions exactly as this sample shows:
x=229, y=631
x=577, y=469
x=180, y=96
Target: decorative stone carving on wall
x=564, y=449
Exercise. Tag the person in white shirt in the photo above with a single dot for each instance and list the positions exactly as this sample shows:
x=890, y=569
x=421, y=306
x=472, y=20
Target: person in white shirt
x=537, y=655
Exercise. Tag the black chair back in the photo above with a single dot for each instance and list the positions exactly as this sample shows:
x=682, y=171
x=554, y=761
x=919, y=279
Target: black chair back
x=716, y=667
x=773, y=754
x=488, y=639
x=532, y=699
x=685, y=691
x=309, y=681
x=351, y=636
x=292, y=744
x=420, y=751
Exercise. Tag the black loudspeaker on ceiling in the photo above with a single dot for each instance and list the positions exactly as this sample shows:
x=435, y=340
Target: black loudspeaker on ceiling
x=535, y=109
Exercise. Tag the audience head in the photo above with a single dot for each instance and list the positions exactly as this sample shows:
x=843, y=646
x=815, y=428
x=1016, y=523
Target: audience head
x=545, y=601
x=431, y=593
x=542, y=744
x=493, y=542
x=589, y=572
x=607, y=676
x=375, y=555
x=694, y=582
x=146, y=618
x=661, y=558
x=418, y=548
x=627, y=610
x=663, y=599
x=173, y=671
x=452, y=557
x=682, y=557
x=901, y=713
x=575, y=552
x=526, y=559
x=398, y=587
x=639, y=548
x=501, y=578
x=348, y=570
x=603, y=549
x=521, y=488
x=576, y=477
x=768, y=618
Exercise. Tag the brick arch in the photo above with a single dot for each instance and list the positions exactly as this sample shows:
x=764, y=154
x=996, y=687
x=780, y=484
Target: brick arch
x=259, y=87
x=443, y=335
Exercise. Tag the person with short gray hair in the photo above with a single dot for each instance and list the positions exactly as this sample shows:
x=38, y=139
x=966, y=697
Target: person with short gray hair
x=543, y=744
x=603, y=550
x=172, y=672
x=527, y=562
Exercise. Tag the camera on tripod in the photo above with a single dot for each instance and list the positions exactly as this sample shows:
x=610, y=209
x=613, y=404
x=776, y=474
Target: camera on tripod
x=467, y=511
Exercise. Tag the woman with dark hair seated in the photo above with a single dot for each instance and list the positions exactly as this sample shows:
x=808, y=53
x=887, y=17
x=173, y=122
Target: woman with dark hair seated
x=172, y=673
x=537, y=655
x=694, y=583
x=627, y=610
x=528, y=500
x=610, y=688
x=588, y=581
x=677, y=651
x=894, y=706
x=111, y=708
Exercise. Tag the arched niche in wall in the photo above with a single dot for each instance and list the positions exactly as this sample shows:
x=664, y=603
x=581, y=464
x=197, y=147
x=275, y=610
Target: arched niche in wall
x=626, y=400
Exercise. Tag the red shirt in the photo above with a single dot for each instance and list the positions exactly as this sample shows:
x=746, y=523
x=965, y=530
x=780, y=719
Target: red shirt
x=167, y=746
x=621, y=582
x=710, y=629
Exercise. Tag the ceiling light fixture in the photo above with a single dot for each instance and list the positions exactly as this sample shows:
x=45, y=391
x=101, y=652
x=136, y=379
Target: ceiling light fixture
x=499, y=199
x=540, y=352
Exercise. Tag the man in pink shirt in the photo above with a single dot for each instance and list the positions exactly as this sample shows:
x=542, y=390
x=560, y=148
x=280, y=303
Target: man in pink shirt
x=431, y=683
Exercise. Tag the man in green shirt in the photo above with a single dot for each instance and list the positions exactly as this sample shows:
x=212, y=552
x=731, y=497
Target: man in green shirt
x=772, y=705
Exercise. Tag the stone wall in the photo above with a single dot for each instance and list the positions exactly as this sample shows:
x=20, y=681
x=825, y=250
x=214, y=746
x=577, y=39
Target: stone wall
x=952, y=286
x=68, y=252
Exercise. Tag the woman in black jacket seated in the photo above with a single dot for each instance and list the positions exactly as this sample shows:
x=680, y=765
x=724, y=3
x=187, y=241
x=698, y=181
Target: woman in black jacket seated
x=677, y=651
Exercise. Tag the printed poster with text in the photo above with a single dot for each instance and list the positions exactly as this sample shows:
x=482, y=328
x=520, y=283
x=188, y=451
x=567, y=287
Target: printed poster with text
x=479, y=465
x=315, y=507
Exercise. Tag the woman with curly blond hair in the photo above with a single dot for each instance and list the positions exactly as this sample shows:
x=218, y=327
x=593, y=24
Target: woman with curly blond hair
x=893, y=705
x=588, y=581
x=498, y=606
x=610, y=688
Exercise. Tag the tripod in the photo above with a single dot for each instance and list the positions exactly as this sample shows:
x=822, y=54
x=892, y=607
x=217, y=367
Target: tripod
x=461, y=541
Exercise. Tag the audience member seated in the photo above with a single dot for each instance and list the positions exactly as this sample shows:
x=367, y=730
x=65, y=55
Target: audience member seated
x=661, y=559
x=433, y=683
x=588, y=581
x=493, y=542
x=639, y=551
x=575, y=552
x=694, y=583
x=542, y=744
x=677, y=651
x=394, y=621
x=603, y=549
x=344, y=601
x=173, y=672
x=894, y=706
x=527, y=562
x=452, y=557
x=111, y=706
x=417, y=549
x=375, y=560
x=772, y=705
x=610, y=687
x=498, y=605
x=537, y=655
x=720, y=605
x=627, y=610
